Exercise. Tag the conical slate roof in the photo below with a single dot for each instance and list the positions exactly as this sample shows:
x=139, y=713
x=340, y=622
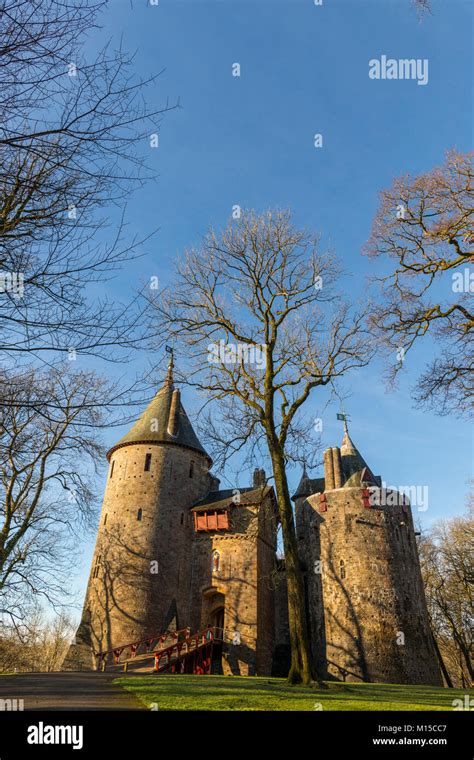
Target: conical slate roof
x=353, y=464
x=163, y=421
x=308, y=486
x=304, y=486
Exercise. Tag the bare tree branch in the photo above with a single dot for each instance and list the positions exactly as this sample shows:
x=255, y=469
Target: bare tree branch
x=424, y=225
x=256, y=312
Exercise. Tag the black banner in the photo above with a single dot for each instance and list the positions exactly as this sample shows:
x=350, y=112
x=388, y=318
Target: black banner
x=377, y=734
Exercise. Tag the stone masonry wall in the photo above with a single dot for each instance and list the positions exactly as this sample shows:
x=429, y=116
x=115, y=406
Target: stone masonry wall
x=140, y=576
x=374, y=608
x=239, y=584
x=266, y=569
x=309, y=549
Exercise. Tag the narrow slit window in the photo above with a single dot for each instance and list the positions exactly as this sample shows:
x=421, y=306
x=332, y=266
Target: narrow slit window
x=147, y=462
x=96, y=567
x=182, y=518
x=112, y=468
x=105, y=519
x=342, y=568
x=191, y=469
x=139, y=514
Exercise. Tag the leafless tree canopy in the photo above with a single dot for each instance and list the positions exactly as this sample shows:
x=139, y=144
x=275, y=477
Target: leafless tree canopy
x=49, y=453
x=257, y=314
x=423, y=7
x=262, y=284
x=423, y=231
x=38, y=646
x=446, y=553
x=74, y=136
x=74, y=139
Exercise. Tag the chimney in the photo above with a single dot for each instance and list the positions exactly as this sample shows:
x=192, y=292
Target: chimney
x=173, y=419
x=337, y=467
x=328, y=471
x=214, y=482
x=259, y=478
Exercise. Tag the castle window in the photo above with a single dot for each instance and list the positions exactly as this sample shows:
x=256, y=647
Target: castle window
x=139, y=514
x=342, y=568
x=191, y=469
x=147, y=462
x=211, y=520
x=182, y=518
x=112, y=468
x=105, y=519
x=96, y=567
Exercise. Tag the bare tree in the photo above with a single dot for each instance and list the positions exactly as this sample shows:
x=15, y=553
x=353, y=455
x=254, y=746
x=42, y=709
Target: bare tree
x=424, y=226
x=423, y=7
x=40, y=646
x=48, y=457
x=75, y=131
x=257, y=314
x=446, y=554
x=74, y=137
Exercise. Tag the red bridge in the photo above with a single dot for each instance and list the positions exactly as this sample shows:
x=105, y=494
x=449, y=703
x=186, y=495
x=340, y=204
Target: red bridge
x=170, y=652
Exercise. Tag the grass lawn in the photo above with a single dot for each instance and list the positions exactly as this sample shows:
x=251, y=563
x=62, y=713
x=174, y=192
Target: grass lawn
x=188, y=692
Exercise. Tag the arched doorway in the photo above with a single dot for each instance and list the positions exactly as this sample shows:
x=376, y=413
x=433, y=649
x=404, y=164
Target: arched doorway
x=217, y=621
x=213, y=608
x=213, y=614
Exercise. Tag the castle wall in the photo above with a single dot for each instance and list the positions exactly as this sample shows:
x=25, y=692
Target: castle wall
x=153, y=569
x=374, y=607
x=281, y=660
x=266, y=569
x=309, y=549
x=244, y=580
x=140, y=576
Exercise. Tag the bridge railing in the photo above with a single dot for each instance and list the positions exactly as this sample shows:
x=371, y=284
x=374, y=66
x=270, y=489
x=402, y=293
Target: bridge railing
x=133, y=646
x=177, y=652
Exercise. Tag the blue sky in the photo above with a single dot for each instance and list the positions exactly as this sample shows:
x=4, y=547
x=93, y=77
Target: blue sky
x=248, y=140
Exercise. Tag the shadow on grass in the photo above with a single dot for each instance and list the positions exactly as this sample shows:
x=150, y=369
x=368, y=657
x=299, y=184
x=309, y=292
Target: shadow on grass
x=177, y=692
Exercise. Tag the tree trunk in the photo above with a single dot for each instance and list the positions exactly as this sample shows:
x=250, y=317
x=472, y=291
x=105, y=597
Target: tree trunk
x=464, y=649
x=442, y=664
x=301, y=670
x=467, y=659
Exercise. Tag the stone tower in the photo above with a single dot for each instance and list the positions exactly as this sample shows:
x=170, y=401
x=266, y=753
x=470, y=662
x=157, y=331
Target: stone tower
x=365, y=593
x=140, y=576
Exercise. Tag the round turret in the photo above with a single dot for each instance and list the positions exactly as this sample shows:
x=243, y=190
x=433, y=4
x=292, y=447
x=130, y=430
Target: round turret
x=138, y=581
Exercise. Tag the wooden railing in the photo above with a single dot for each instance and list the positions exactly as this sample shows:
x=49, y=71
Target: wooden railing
x=133, y=647
x=189, y=652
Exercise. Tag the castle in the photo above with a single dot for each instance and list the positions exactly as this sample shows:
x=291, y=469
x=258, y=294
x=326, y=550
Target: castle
x=173, y=550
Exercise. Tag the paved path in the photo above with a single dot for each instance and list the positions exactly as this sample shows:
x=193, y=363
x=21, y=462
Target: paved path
x=68, y=691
